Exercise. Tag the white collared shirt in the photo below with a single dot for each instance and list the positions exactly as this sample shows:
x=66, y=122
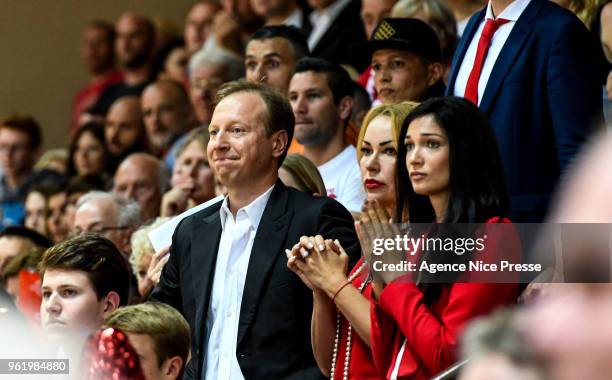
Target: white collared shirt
x=512, y=13
x=235, y=247
x=322, y=19
x=295, y=18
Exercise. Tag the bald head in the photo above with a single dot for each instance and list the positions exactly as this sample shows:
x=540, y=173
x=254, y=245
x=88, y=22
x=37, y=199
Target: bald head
x=167, y=113
x=124, y=128
x=135, y=40
x=143, y=178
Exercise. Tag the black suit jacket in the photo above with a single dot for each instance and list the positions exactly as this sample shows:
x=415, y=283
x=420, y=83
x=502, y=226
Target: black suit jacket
x=274, y=325
x=345, y=31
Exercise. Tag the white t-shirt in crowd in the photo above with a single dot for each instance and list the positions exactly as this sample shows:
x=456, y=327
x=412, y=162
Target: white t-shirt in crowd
x=342, y=179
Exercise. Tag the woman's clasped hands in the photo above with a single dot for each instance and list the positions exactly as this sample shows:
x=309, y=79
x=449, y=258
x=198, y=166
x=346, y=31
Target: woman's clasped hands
x=321, y=263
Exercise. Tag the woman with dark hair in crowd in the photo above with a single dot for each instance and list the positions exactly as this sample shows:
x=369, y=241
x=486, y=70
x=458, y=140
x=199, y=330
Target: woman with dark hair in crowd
x=88, y=153
x=341, y=311
x=449, y=175
x=36, y=210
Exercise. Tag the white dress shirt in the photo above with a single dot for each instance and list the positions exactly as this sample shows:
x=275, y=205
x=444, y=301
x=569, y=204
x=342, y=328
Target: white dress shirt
x=512, y=13
x=235, y=246
x=295, y=18
x=322, y=19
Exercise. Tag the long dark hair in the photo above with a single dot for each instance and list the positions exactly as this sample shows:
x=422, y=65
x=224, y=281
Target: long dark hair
x=97, y=131
x=477, y=184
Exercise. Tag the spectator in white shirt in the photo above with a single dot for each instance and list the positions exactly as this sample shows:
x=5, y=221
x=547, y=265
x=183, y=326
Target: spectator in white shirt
x=321, y=95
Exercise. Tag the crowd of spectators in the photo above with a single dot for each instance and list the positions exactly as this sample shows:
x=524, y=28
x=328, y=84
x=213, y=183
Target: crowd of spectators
x=319, y=122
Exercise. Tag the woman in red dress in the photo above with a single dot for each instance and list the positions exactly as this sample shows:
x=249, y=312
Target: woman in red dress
x=450, y=173
x=341, y=309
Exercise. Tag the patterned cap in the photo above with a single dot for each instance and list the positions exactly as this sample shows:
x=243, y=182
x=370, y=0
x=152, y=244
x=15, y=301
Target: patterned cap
x=407, y=34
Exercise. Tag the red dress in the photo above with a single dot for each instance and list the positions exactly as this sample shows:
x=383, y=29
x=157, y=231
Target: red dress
x=361, y=364
x=411, y=340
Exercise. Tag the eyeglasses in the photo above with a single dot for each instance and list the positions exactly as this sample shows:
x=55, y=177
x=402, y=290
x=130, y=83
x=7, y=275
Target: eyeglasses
x=206, y=83
x=98, y=230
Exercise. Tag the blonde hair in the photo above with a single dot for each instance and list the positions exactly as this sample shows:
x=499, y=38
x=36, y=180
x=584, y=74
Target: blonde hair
x=396, y=111
x=305, y=174
x=141, y=244
x=166, y=327
x=52, y=158
x=586, y=10
x=200, y=135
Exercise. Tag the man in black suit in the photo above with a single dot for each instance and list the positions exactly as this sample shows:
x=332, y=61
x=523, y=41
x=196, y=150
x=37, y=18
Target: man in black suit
x=227, y=272
x=336, y=26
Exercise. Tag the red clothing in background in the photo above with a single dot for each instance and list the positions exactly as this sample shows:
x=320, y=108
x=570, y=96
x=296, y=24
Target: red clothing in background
x=88, y=95
x=366, y=80
x=411, y=340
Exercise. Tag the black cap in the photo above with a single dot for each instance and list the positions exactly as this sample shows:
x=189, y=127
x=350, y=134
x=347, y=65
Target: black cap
x=407, y=34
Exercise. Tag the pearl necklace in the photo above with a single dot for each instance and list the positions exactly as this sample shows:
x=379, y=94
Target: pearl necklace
x=347, y=356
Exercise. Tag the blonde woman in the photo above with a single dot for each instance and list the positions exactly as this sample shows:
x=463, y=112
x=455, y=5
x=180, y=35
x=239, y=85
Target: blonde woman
x=341, y=310
x=300, y=173
x=146, y=263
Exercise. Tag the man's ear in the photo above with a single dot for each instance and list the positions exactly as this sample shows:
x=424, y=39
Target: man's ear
x=280, y=143
x=435, y=71
x=171, y=369
x=345, y=107
x=111, y=303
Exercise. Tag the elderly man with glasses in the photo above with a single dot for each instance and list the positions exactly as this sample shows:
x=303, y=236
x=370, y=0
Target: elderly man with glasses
x=109, y=215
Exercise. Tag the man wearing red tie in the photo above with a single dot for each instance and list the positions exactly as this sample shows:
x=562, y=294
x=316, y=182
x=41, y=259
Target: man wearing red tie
x=529, y=65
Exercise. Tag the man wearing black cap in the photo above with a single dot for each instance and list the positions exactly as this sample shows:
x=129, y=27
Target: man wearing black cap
x=406, y=59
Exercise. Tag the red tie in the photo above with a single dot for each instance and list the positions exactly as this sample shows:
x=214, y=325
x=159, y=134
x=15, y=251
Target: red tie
x=471, y=90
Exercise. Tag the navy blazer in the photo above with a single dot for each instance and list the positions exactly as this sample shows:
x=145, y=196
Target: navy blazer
x=274, y=327
x=542, y=98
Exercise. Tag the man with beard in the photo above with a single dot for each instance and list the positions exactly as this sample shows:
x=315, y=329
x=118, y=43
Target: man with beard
x=124, y=131
x=98, y=55
x=321, y=95
x=144, y=178
x=134, y=47
x=167, y=116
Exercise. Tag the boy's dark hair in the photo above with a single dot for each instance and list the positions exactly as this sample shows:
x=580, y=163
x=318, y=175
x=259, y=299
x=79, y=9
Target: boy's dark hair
x=95, y=255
